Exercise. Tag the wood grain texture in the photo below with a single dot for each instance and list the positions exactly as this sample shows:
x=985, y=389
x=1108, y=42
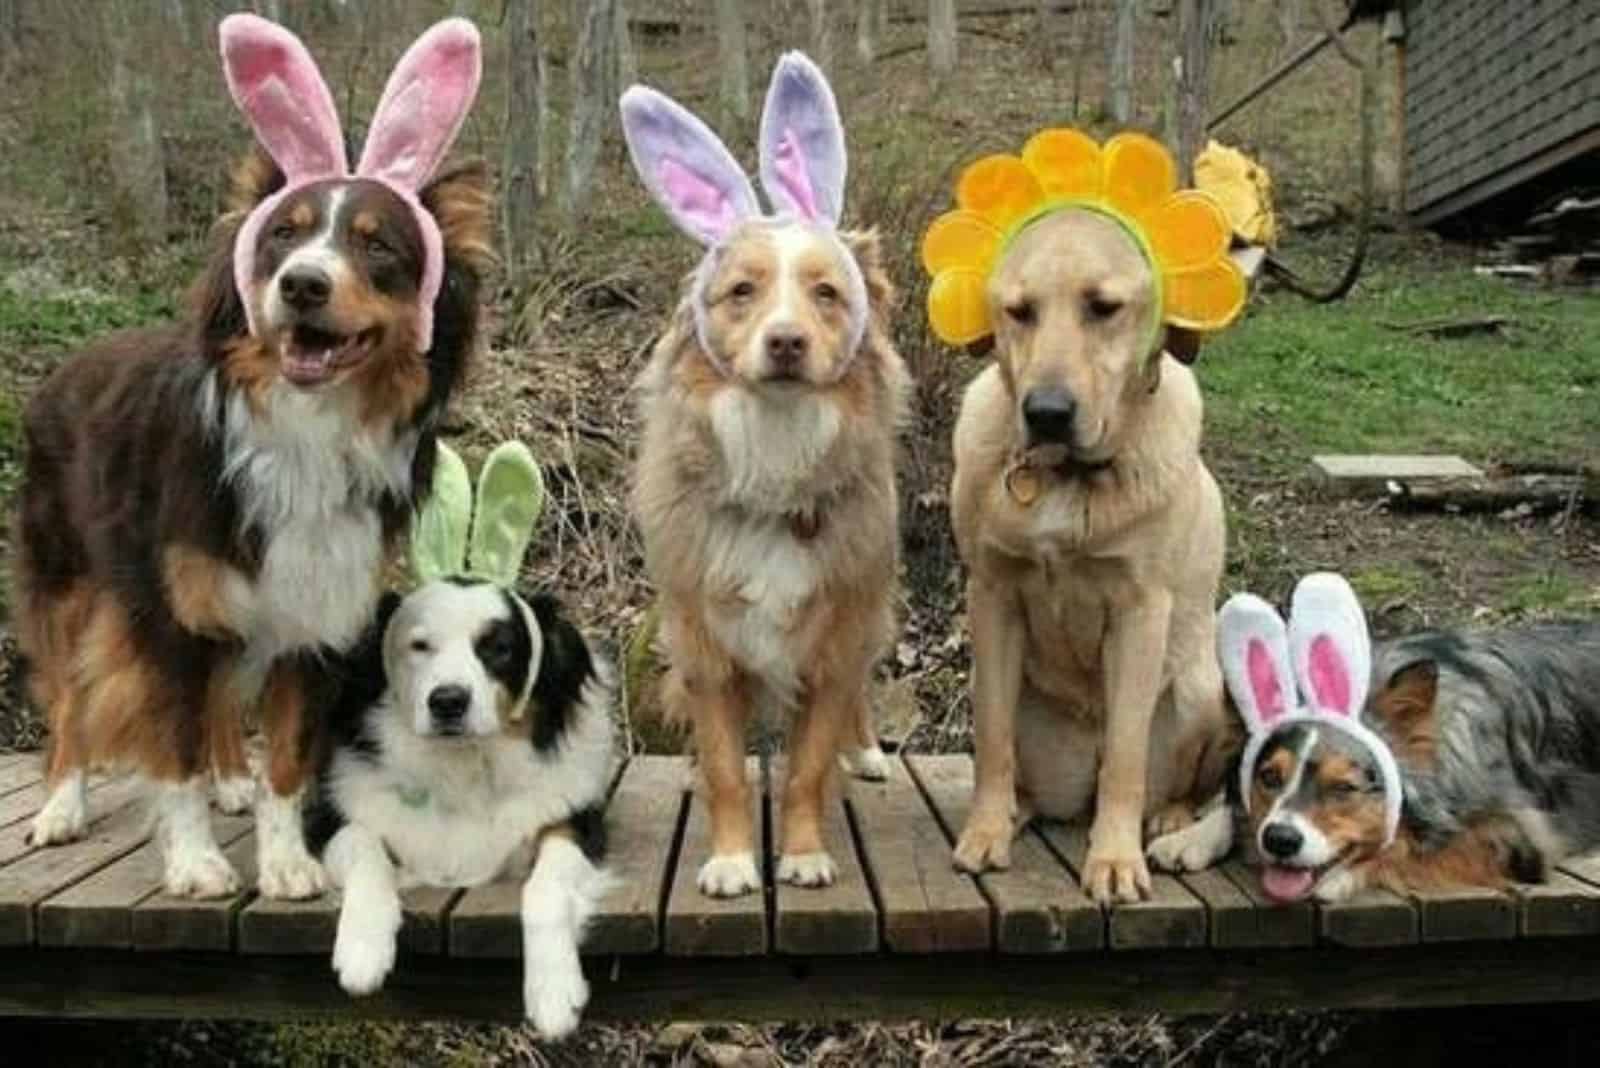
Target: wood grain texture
x=106, y=796
x=1374, y=917
x=1562, y=906
x=20, y=769
x=642, y=824
x=1230, y=915
x=841, y=918
x=1275, y=924
x=1040, y=908
x=927, y=906
x=1465, y=913
x=701, y=926
x=162, y=922
x=1170, y=917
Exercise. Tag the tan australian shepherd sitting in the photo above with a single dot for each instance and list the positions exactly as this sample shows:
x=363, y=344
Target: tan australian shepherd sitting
x=765, y=480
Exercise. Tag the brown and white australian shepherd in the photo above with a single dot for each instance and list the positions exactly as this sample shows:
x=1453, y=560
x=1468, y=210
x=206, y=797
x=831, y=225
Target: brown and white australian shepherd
x=765, y=485
x=206, y=507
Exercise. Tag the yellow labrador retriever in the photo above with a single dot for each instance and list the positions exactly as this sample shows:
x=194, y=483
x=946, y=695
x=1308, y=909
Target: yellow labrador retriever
x=1093, y=537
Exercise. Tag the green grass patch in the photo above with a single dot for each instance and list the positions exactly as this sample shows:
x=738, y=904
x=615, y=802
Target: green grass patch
x=1551, y=593
x=1296, y=379
x=1384, y=583
x=70, y=317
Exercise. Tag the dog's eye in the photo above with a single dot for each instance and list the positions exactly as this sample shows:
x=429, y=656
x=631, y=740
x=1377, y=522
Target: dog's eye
x=421, y=645
x=284, y=231
x=1023, y=313
x=1343, y=789
x=742, y=290
x=827, y=293
x=1270, y=778
x=1101, y=308
x=376, y=247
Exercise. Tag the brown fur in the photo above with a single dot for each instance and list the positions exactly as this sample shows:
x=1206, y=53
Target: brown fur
x=839, y=513
x=1090, y=590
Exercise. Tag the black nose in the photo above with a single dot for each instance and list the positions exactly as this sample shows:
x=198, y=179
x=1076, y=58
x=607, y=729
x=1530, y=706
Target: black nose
x=1281, y=840
x=449, y=703
x=786, y=347
x=1049, y=412
x=305, y=288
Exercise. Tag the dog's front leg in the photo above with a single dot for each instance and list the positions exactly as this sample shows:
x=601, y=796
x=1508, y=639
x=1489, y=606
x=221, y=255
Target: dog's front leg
x=805, y=860
x=999, y=631
x=557, y=901
x=1133, y=658
x=285, y=869
x=369, y=918
x=719, y=721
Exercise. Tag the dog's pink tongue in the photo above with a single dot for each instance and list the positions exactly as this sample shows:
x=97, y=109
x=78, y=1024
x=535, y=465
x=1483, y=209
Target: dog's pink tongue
x=1287, y=884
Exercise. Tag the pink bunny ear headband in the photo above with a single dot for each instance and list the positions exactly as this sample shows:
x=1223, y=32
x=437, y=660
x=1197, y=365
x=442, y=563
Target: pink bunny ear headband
x=277, y=85
x=695, y=179
x=1326, y=643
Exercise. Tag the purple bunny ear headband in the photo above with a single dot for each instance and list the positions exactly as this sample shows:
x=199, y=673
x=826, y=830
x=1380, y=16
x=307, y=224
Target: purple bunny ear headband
x=277, y=85
x=695, y=179
x=1326, y=643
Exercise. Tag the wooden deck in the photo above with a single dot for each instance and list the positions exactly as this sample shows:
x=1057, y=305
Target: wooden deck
x=85, y=929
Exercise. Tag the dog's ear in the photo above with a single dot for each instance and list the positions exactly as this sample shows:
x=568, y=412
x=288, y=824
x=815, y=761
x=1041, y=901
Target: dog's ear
x=1404, y=710
x=1182, y=344
x=216, y=306
x=565, y=665
x=867, y=248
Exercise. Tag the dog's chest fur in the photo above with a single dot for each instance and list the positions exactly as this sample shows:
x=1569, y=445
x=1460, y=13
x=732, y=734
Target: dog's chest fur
x=309, y=480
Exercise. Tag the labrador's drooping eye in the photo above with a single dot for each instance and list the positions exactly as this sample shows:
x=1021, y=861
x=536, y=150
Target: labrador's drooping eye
x=1022, y=312
x=1101, y=308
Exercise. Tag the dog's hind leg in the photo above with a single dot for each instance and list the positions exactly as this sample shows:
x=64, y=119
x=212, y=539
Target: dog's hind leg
x=46, y=628
x=861, y=755
x=64, y=816
x=233, y=784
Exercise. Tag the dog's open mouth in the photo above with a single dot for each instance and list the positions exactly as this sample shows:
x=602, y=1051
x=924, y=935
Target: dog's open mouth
x=312, y=355
x=1286, y=885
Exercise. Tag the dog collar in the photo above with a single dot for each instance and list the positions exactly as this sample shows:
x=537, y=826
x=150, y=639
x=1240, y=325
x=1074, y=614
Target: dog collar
x=1388, y=767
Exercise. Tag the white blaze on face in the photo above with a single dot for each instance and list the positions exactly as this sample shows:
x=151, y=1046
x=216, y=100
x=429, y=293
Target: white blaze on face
x=319, y=252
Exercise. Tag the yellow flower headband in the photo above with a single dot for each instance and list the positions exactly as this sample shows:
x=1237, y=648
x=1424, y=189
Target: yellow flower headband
x=1132, y=179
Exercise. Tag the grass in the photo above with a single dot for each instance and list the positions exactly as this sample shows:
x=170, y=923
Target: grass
x=71, y=317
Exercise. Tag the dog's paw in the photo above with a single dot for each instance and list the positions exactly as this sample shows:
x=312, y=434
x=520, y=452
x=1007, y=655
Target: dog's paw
x=1180, y=851
x=1115, y=876
x=235, y=795
x=200, y=873
x=984, y=844
x=807, y=869
x=553, y=1000
x=289, y=876
x=867, y=763
x=729, y=875
x=1169, y=820
x=64, y=818
x=362, y=959
x=1337, y=886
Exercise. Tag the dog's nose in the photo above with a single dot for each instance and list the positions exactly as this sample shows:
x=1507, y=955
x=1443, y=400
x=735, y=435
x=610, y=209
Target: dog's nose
x=449, y=703
x=305, y=288
x=786, y=347
x=1049, y=412
x=1281, y=840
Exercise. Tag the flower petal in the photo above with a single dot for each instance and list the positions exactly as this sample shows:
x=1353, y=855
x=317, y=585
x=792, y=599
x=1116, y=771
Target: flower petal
x=1139, y=173
x=960, y=239
x=1186, y=231
x=1066, y=162
x=1206, y=298
x=958, y=306
x=1000, y=188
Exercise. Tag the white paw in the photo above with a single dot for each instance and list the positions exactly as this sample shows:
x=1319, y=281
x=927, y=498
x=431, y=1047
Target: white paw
x=1185, y=850
x=291, y=877
x=235, y=795
x=868, y=763
x=63, y=819
x=554, y=999
x=729, y=875
x=363, y=959
x=807, y=869
x=1337, y=886
x=200, y=873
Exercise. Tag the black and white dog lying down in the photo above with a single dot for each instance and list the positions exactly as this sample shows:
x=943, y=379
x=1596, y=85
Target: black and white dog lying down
x=473, y=741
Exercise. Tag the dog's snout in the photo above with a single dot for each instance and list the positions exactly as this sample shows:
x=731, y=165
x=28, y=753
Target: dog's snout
x=1281, y=840
x=448, y=703
x=305, y=288
x=1049, y=412
x=786, y=347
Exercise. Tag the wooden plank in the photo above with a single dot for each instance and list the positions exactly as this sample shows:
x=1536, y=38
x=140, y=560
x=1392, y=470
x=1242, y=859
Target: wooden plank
x=117, y=831
x=272, y=927
x=1465, y=913
x=424, y=912
x=1365, y=474
x=927, y=906
x=1039, y=905
x=1373, y=917
x=105, y=796
x=1230, y=914
x=20, y=769
x=643, y=821
x=1585, y=868
x=99, y=910
x=1171, y=916
x=701, y=926
x=1276, y=924
x=21, y=804
x=1562, y=905
x=162, y=922
x=829, y=919
x=487, y=923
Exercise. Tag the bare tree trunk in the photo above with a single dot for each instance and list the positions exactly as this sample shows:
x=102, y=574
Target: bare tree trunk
x=872, y=18
x=594, y=72
x=1080, y=38
x=942, y=36
x=138, y=165
x=1192, y=68
x=734, y=59
x=1045, y=38
x=821, y=33
x=1119, y=101
x=522, y=185
x=627, y=61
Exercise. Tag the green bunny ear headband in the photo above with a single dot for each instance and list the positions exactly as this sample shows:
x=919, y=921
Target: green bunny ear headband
x=509, y=499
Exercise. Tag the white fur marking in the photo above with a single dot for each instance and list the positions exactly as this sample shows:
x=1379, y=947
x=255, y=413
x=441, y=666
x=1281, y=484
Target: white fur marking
x=194, y=865
x=320, y=252
x=1197, y=846
x=557, y=901
x=729, y=875
x=807, y=869
x=65, y=815
x=370, y=915
x=287, y=870
x=867, y=763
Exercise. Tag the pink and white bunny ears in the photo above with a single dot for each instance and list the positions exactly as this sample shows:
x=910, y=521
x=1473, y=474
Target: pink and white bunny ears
x=1327, y=649
x=277, y=86
x=702, y=188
